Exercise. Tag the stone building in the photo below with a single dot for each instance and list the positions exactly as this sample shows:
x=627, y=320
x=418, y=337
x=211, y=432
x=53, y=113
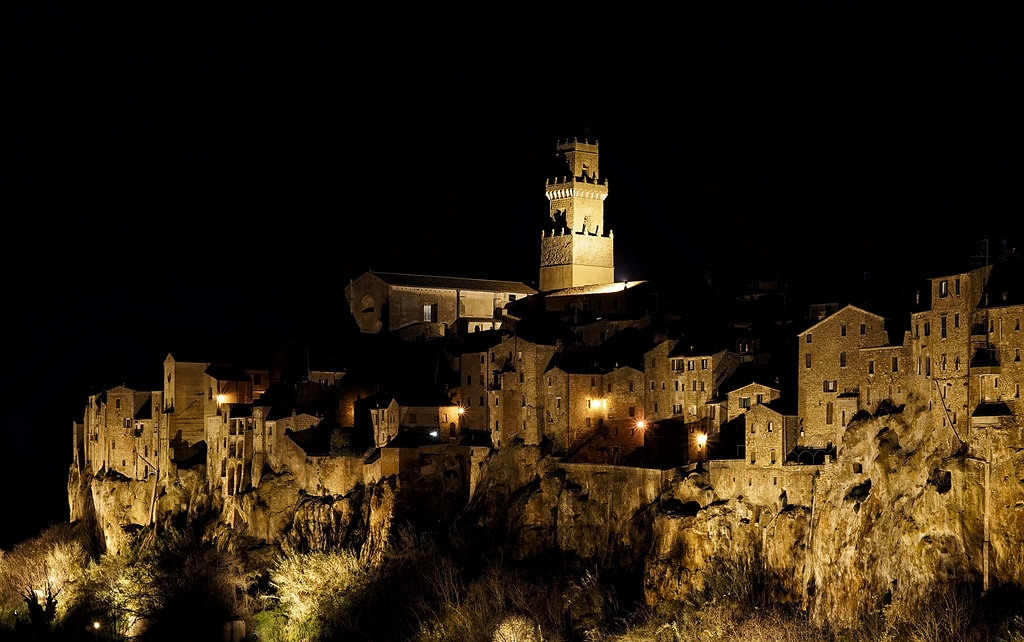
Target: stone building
x=121, y=431
x=770, y=435
x=739, y=401
x=578, y=249
x=697, y=377
x=574, y=404
x=417, y=305
x=833, y=364
x=516, y=400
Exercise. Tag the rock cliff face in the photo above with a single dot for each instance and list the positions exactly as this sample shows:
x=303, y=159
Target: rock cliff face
x=901, y=512
x=898, y=516
x=278, y=511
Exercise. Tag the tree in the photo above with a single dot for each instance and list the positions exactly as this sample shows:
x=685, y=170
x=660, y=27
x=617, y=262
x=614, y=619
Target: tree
x=39, y=570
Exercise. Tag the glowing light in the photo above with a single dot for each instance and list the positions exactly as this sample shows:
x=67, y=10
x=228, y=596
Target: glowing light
x=433, y=433
x=220, y=399
x=462, y=410
x=641, y=424
x=96, y=625
x=701, y=440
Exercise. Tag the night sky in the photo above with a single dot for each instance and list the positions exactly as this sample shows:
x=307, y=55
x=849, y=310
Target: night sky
x=229, y=170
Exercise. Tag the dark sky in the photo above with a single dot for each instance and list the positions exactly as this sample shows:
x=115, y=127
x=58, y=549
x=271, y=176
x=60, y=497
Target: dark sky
x=219, y=169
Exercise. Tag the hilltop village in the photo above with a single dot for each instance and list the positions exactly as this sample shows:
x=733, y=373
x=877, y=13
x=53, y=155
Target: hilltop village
x=452, y=370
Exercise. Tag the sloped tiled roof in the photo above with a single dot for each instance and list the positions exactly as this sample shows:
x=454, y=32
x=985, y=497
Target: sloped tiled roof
x=837, y=313
x=452, y=283
x=596, y=288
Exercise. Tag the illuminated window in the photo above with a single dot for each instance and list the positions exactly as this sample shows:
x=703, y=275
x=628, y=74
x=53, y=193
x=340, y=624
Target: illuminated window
x=943, y=289
x=745, y=403
x=829, y=385
x=689, y=364
x=430, y=312
x=703, y=364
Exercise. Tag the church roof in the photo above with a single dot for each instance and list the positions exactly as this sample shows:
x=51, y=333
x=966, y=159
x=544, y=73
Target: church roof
x=452, y=283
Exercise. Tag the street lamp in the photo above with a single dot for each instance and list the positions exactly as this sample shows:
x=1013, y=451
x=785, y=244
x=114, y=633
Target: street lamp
x=702, y=440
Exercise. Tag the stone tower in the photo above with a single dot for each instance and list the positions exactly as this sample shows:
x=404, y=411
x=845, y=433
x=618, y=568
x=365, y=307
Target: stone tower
x=578, y=251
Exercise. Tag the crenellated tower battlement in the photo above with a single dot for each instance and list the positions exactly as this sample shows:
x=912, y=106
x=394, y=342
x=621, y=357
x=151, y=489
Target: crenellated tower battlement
x=579, y=250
